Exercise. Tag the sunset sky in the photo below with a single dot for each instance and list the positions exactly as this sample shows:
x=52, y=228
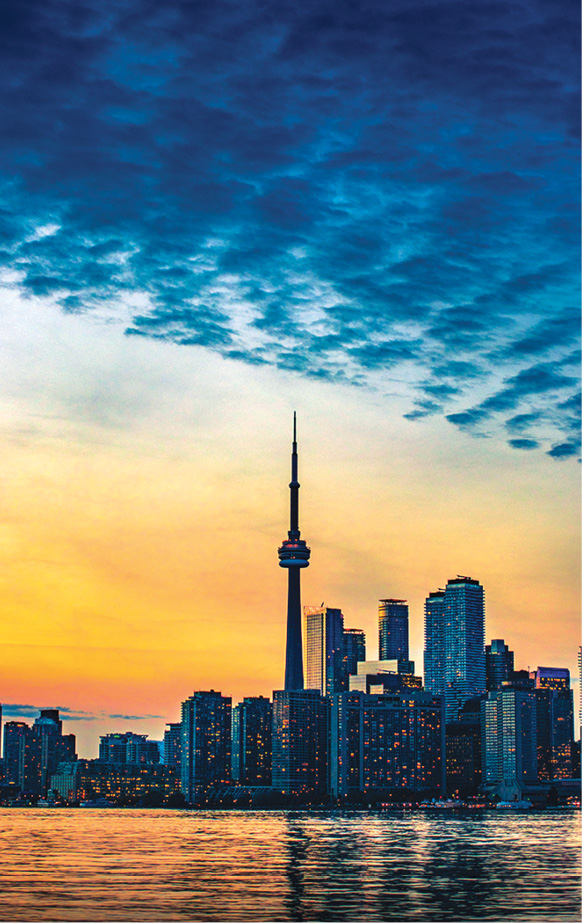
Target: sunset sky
x=216, y=213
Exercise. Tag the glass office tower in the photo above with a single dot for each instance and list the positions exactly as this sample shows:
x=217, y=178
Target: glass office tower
x=454, y=657
x=324, y=649
x=393, y=629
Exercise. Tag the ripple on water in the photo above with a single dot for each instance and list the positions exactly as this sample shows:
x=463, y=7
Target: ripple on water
x=238, y=866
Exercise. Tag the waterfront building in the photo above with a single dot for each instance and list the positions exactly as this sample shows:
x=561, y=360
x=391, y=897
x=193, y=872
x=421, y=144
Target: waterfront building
x=580, y=684
x=173, y=745
x=206, y=742
x=21, y=756
x=31, y=754
x=324, y=649
x=354, y=652
x=454, y=657
x=509, y=740
x=555, y=722
x=128, y=747
x=294, y=555
x=383, y=743
x=463, y=746
x=498, y=664
x=53, y=746
x=393, y=629
x=118, y=783
x=300, y=742
x=252, y=721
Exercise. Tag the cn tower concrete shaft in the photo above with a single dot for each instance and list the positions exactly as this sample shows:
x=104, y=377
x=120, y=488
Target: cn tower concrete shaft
x=294, y=554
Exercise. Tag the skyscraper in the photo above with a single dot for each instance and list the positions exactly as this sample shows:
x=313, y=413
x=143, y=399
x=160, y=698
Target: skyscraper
x=252, y=721
x=54, y=746
x=454, y=659
x=509, y=728
x=354, y=652
x=324, y=649
x=173, y=745
x=206, y=740
x=498, y=663
x=393, y=629
x=294, y=554
x=300, y=737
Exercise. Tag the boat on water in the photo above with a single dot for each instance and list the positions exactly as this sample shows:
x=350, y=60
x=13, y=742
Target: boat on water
x=442, y=804
x=514, y=805
x=99, y=803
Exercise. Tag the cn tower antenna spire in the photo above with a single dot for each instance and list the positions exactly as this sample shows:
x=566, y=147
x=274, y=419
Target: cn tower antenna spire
x=294, y=554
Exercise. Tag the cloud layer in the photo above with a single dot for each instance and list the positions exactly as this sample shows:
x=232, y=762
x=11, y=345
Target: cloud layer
x=374, y=193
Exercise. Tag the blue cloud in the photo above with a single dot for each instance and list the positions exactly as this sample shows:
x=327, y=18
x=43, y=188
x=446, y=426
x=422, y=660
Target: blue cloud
x=343, y=190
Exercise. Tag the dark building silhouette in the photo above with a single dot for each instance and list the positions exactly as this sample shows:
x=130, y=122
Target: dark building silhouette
x=498, y=663
x=206, y=742
x=122, y=748
x=294, y=554
x=354, y=652
x=463, y=745
x=300, y=729
x=555, y=722
x=54, y=746
x=393, y=629
x=252, y=731
x=454, y=658
x=21, y=756
x=382, y=743
x=31, y=754
x=173, y=745
x=324, y=649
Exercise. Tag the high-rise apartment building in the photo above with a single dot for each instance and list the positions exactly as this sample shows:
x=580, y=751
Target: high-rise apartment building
x=300, y=742
x=54, y=746
x=324, y=649
x=555, y=722
x=21, y=756
x=31, y=754
x=206, y=742
x=173, y=745
x=382, y=743
x=498, y=664
x=354, y=652
x=393, y=629
x=454, y=658
x=252, y=721
x=509, y=736
x=580, y=684
x=128, y=747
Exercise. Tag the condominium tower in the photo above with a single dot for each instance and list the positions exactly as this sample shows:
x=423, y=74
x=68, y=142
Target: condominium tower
x=324, y=649
x=393, y=629
x=454, y=656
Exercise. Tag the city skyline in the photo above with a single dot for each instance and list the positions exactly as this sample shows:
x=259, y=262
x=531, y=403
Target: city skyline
x=361, y=214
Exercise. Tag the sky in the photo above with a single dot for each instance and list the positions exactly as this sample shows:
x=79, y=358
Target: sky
x=214, y=214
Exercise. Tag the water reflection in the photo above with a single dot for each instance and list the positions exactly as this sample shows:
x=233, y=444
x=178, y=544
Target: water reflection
x=296, y=866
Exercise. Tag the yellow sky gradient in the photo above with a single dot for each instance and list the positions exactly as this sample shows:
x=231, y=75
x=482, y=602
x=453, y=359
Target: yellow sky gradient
x=145, y=494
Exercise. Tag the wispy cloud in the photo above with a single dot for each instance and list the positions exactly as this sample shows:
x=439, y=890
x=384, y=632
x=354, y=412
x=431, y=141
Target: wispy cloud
x=18, y=710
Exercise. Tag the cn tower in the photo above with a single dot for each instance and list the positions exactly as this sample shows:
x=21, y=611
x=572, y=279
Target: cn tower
x=294, y=554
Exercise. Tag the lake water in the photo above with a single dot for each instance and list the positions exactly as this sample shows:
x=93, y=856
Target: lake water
x=289, y=865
